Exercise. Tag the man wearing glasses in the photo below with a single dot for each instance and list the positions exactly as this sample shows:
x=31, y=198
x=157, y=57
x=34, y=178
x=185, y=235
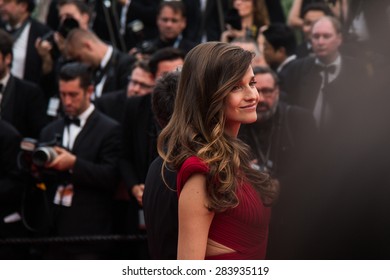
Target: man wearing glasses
x=141, y=82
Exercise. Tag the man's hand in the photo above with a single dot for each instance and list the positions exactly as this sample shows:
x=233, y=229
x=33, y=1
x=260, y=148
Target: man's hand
x=64, y=160
x=138, y=191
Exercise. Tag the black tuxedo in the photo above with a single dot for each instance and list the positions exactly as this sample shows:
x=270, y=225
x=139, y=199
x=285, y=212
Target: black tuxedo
x=117, y=71
x=112, y=104
x=33, y=61
x=33, y=65
x=303, y=82
x=24, y=106
x=94, y=178
x=140, y=136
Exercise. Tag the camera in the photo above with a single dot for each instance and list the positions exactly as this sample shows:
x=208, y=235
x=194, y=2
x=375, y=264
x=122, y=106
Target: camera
x=36, y=154
x=64, y=28
x=43, y=155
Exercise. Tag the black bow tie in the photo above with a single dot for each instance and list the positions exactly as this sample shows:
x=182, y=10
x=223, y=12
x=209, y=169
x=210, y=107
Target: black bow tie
x=69, y=121
x=330, y=69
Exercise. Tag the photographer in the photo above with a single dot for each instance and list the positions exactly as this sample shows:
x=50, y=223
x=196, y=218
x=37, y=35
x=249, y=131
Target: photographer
x=51, y=46
x=80, y=192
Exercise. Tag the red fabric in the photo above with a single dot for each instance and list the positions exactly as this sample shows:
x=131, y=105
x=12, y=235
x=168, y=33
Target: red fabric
x=243, y=228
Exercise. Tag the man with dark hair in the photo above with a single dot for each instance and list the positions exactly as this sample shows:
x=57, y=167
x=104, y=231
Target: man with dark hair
x=279, y=48
x=165, y=60
x=279, y=45
x=85, y=168
x=27, y=64
x=22, y=103
x=160, y=198
x=171, y=22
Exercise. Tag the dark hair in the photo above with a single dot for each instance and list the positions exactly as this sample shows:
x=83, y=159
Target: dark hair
x=261, y=70
x=321, y=7
x=30, y=4
x=279, y=35
x=6, y=43
x=143, y=64
x=75, y=70
x=163, y=97
x=80, y=5
x=165, y=54
x=176, y=6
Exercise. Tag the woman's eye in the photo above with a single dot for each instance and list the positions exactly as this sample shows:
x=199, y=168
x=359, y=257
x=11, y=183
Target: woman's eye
x=236, y=88
x=253, y=83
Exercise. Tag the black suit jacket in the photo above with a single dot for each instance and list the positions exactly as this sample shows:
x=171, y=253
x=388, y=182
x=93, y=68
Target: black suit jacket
x=303, y=82
x=94, y=177
x=160, y=203
x=112, y=104
x=24, y=106
x=212, y=19
x=118, y=71
x=140, y=135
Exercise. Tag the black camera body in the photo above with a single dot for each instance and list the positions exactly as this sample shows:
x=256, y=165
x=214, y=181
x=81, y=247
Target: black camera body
x=37, y=154
x=64, y=28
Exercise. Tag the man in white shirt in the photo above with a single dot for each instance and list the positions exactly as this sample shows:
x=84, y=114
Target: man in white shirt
x=85, y=168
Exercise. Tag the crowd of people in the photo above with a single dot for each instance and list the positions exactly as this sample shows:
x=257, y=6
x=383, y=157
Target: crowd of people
x=194, y=129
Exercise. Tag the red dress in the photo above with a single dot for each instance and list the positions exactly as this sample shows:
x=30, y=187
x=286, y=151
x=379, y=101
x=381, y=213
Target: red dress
x=243, y=228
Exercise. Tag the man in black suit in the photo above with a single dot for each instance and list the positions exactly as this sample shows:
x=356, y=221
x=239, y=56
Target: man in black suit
x=11, y=188
x=171, y=22
x=327, y=83
x=279, y=49
x=112, y=67
x=141, y=82
x=80, y=192
x=140, y=127
x=22, y=103
x=27, y=63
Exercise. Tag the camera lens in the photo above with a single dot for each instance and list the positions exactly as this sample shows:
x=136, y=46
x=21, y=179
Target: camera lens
x=43, y=155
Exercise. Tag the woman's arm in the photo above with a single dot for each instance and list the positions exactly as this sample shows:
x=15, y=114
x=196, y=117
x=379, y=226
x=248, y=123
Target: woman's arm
x=194, y=219
x=294, y=16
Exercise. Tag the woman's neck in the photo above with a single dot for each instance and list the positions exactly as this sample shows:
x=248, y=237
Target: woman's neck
x=247, y=21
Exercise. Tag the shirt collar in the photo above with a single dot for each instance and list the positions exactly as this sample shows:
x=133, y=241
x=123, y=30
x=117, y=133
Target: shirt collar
x=4, y=80
x=287, y=60
x=85, y=115
x=106, y=57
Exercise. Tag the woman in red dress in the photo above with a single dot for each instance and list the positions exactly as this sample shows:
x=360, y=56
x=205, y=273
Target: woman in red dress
x=223, y=202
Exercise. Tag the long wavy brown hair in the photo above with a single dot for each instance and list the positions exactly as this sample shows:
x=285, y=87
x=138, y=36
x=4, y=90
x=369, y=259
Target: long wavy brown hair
x=209, y=73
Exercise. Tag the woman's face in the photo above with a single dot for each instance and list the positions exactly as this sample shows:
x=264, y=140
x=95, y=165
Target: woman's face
x=241, y=103
x=244, y=7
